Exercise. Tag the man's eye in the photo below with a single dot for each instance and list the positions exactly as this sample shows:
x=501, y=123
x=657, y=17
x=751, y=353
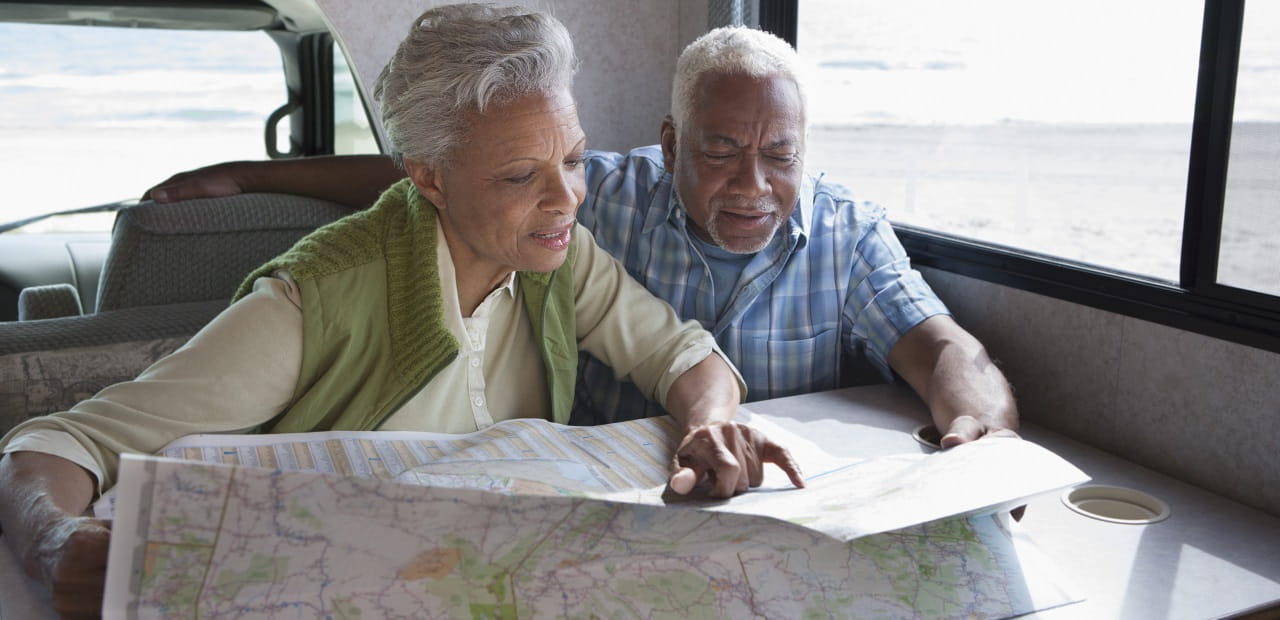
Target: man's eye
x=519, y=180
x=572, y=163
x=711, y=155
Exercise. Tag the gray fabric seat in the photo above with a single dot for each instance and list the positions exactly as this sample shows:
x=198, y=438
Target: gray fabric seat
x=201, y=249
x=48, y=365
x=49, y=301
x=170, y=270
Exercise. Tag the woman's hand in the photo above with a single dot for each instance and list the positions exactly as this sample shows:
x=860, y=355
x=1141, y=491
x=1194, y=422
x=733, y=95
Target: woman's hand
x=41, y=499
x=69, y=555
x=729, y=457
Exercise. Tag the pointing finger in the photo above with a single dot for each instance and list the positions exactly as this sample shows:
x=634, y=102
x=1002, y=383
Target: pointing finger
x=780, y=456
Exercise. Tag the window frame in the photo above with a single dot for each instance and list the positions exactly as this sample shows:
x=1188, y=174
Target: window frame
x=1198, y=303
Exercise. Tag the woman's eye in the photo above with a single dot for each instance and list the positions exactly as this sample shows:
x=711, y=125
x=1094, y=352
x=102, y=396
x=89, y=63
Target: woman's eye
x=519, y=180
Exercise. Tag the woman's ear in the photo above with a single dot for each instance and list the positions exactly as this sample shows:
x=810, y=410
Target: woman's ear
x=428, y=180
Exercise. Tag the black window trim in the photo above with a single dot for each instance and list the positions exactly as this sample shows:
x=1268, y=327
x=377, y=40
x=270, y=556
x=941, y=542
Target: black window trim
x=1197, y=303
x=308, y=70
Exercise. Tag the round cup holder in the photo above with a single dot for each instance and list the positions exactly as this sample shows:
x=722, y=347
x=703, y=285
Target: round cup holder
x=927, y=435
x=1116, y=504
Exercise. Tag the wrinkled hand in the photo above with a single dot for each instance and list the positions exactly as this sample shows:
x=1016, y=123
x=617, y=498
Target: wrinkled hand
x=728, y=456
x=207, y=182
x=70, y=556
x=968, y=428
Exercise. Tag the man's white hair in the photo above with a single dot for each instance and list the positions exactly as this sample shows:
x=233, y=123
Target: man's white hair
x=733, y=50
x=462, y=58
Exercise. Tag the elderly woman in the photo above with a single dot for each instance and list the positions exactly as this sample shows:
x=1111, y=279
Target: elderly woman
x=460, y=299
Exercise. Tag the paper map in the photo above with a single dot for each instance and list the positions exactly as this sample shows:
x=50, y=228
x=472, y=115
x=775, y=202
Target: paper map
x=532, y=519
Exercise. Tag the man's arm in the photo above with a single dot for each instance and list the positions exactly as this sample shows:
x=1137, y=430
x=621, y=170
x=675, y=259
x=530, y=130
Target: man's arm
x=967, y=395
x=725, y=454
x=42, y=498
x=352, y=180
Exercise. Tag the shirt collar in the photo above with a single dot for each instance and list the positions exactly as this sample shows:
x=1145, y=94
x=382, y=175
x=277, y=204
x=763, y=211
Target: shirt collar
x=663, y=205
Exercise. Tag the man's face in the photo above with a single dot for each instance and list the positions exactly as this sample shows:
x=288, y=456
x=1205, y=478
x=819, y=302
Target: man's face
x=738, y=160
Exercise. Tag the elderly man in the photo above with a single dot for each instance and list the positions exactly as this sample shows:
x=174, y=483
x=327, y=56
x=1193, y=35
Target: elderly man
x=795, y=279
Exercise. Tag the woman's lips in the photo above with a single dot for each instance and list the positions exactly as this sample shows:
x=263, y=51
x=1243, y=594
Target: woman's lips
x=554, y=239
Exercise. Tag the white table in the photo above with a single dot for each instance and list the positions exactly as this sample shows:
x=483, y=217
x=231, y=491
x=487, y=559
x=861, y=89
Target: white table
x=1210, y=558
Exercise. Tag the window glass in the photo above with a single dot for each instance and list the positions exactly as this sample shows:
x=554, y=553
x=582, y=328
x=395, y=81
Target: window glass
x=1060, y=128
x=1249, y=255
x=351, y=131
x=93, y=115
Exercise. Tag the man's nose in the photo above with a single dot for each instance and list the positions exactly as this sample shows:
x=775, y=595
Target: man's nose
x=749, y=177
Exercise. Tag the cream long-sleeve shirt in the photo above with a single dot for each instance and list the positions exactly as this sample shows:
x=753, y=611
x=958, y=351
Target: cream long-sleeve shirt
x=240, y=371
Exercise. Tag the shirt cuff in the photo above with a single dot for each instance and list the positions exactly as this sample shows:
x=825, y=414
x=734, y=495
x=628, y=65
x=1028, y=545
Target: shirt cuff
x=690, y=357
x=56, y=443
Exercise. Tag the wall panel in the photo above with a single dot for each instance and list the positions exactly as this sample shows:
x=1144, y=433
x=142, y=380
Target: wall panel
x=1202, y=410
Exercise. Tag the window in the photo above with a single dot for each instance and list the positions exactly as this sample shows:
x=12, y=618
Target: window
x=1067, y=150
x=1249, y=254
x=93, y=115
x=352, y=134
x=1059, y=128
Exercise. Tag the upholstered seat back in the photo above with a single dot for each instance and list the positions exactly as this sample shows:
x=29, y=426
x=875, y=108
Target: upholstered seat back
x=48, y=365
x=201, y=249
x=170, y=269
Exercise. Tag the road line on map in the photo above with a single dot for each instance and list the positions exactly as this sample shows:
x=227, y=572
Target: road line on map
x=226, y=500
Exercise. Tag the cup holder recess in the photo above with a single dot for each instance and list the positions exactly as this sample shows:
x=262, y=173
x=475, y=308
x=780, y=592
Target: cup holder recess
x=1116, y=504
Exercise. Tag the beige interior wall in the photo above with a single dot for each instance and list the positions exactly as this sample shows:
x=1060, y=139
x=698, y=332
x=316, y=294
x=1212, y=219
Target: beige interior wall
x=1202, y=410
x=628, y=51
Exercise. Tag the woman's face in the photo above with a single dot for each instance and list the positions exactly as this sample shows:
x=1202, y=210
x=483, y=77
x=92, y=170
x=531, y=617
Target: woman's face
x=509, y=194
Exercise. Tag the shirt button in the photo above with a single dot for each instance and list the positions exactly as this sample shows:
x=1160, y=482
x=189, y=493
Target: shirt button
x=477, y=401
x=475, y=361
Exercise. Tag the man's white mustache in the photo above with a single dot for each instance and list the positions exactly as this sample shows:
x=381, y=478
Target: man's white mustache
x=761, y=206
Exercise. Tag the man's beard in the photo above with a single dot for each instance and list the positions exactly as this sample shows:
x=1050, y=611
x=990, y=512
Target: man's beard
x=763, y=205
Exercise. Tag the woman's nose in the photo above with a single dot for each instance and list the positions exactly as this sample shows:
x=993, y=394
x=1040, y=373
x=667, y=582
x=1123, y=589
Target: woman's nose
x=564, y=192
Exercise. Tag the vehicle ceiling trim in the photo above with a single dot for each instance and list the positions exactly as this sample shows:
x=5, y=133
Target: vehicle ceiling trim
x=198, y=15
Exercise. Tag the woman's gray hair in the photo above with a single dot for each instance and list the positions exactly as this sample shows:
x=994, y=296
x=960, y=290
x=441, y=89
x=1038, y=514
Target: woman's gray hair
x=462, y=58
x=733, y=50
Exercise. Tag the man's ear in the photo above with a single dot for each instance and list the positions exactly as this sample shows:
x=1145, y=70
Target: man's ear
x=428, y=180
x=669, y=144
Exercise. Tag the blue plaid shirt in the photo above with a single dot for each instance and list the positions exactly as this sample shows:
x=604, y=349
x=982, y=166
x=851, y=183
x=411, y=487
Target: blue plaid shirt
x=833, y=287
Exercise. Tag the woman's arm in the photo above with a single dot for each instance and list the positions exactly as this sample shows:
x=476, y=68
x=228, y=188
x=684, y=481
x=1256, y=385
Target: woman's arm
x=235, y=374
x=726, y=455
x=42, y=498
x=678, y=365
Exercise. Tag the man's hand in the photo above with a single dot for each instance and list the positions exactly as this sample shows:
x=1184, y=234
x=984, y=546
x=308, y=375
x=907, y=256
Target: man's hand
x=728, y=456
x=967, y=395
x=207, y=182
x=70, y=556
x=968, y=428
